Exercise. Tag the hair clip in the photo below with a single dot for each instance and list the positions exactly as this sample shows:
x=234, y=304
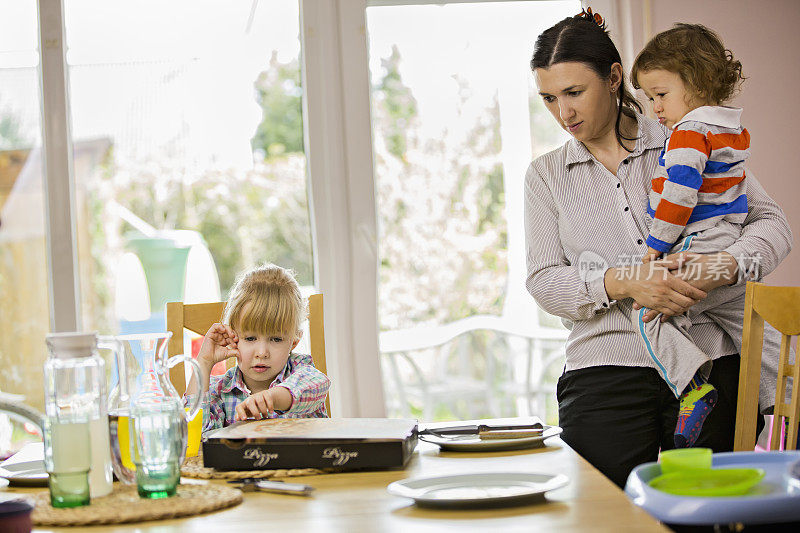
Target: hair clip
x=595, y=17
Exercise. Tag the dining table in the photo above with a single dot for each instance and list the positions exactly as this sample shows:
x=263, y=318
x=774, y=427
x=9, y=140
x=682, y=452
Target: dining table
x=359, y=501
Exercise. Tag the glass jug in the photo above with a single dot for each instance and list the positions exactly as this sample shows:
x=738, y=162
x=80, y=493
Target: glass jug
x=148, y=423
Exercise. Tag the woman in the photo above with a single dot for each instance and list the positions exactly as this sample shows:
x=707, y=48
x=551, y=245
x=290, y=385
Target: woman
x=585, y=230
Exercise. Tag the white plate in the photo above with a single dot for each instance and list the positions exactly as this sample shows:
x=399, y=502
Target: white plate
x=491, y=489
x=473, y=443
x=29, y=474
x=26, y=467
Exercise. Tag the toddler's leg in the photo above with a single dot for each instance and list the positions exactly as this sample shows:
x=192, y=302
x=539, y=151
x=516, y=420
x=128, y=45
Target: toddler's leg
x=725, y=306
x=677, y=358
x=684, y=367
x=696, y=403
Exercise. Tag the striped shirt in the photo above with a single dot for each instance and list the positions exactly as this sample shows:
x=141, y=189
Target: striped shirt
x=700, y=177
x=581, y=219
x=307, y=385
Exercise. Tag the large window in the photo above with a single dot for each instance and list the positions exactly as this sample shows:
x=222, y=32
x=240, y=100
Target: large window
x=207, y=136
x=24, y=307
x=188, y=151
x=455, y=121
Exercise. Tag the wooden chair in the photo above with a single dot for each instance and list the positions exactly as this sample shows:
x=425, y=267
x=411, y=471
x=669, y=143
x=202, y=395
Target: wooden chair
x=780, y=307
x=199, y=317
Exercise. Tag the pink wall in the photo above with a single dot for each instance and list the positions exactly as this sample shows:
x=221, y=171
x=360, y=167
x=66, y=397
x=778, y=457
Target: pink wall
x=765, y=36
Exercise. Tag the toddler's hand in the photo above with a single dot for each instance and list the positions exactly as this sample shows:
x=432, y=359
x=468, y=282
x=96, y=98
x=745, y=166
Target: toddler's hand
x=219, y=343
x=258, y=405
x=651, y=255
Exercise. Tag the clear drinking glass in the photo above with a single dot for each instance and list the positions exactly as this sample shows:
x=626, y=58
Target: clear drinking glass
x=158, y=445
x=69, y=489
x=67, y=461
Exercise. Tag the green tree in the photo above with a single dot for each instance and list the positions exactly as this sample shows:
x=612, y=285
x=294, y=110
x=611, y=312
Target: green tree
x=246, y=218
x=279, y=93
x=442, y=228
x=11, y=136
x=398, y=103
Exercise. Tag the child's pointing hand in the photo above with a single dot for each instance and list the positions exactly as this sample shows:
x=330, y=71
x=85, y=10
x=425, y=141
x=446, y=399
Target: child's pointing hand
x=263, y=404
x=259, y=405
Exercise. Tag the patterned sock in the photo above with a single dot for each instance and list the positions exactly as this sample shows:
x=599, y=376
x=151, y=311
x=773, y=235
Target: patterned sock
x=696, y=403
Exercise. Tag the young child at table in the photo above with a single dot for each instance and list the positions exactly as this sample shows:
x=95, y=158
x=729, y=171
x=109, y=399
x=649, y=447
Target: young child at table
x=261, y=328
x=697, y=200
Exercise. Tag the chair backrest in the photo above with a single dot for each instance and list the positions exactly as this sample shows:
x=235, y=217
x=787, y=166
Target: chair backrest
x=780, y=307
x=199, y=317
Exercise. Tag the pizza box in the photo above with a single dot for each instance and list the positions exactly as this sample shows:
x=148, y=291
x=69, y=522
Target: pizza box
x=342, y=443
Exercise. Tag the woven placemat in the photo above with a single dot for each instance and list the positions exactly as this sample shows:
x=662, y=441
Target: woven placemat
x=193, y=467
x=125, y=505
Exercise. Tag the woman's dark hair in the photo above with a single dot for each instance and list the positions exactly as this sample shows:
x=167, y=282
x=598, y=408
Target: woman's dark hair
x=581, y=39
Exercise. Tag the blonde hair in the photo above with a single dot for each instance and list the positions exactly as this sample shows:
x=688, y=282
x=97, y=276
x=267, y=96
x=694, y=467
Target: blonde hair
x=697, y=55
x=266, y=300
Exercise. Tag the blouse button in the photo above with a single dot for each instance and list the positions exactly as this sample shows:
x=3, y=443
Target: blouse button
x=639, y=241
x=617, y=185
x=626, y=208
x=624, y=161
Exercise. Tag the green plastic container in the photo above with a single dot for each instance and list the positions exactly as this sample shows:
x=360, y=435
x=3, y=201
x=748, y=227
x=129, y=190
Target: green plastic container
x=709, y=481
x=683, y=458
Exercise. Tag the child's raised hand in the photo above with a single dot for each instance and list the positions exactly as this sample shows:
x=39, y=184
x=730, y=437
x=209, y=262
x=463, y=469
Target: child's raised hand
x=219, y=343
x=258, y=405
x=651, y=255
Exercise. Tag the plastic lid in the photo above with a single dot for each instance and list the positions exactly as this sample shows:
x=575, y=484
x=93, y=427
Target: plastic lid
x=69, y=345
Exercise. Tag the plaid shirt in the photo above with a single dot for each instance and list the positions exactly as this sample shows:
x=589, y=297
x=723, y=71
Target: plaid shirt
x=307, y=385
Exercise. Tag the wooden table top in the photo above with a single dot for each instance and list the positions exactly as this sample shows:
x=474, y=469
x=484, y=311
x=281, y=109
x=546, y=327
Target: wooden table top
x=358, y=501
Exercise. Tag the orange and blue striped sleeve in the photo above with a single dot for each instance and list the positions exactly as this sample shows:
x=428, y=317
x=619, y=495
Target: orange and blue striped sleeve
x=685, y=158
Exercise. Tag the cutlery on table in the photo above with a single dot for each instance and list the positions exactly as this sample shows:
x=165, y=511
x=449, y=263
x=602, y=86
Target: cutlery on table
x=277, y=487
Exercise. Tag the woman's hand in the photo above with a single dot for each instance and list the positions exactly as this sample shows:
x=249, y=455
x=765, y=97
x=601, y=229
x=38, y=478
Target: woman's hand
x=652, y=285
x=264, y=404
x=703, y=271
x=651, y=255
x=219, y=343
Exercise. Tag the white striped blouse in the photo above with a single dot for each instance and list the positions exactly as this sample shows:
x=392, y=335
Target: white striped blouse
x=581, y=219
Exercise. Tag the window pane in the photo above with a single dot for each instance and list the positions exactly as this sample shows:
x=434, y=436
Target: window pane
x=24, y=300
x=188, y=151
x=455, y=122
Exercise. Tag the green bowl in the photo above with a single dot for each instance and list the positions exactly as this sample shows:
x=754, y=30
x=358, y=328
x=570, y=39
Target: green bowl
x=709, y=482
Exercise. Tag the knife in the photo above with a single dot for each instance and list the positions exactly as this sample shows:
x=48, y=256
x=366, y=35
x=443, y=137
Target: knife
x=483, y=429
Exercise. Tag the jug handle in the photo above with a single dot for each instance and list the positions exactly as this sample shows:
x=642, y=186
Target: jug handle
x=196, y=373
x=107, y=342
